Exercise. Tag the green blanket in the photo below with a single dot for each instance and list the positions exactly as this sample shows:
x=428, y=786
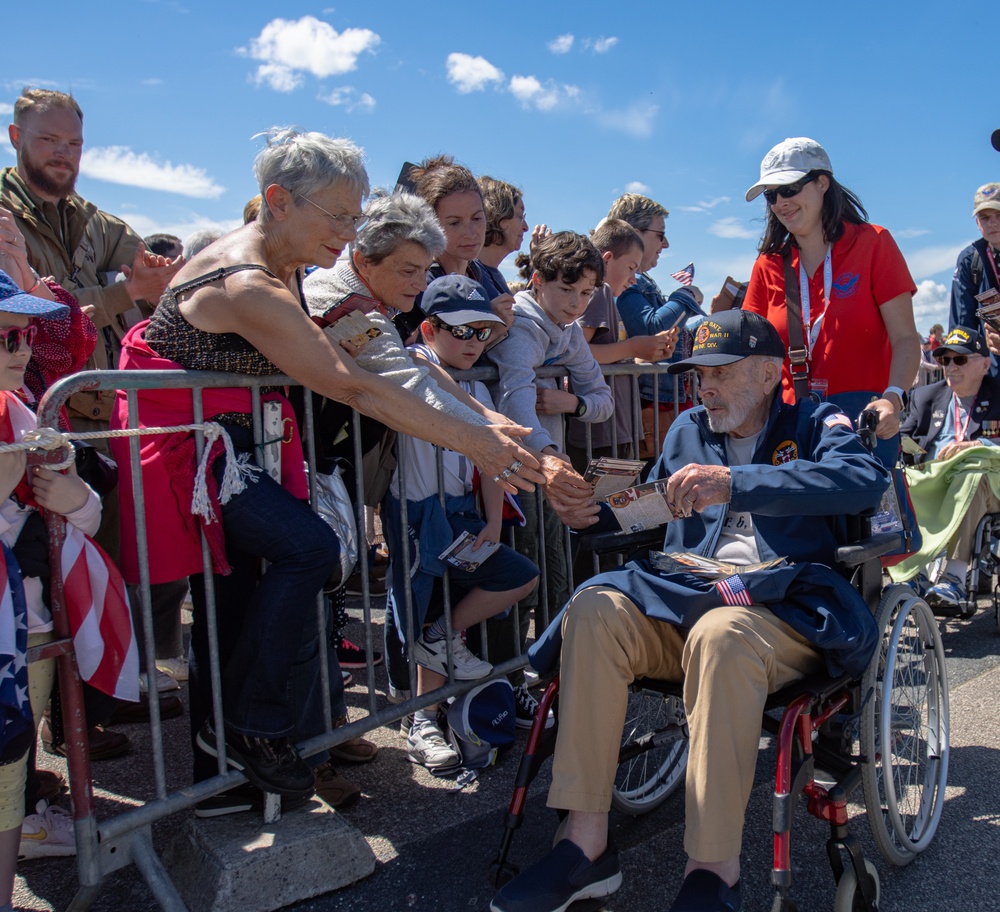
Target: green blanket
x=941, y=494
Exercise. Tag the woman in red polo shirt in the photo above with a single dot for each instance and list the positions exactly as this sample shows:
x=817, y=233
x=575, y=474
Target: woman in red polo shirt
x=855, y=291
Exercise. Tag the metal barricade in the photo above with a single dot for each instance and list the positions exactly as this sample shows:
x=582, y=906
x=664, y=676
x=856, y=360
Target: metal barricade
x=109, y=844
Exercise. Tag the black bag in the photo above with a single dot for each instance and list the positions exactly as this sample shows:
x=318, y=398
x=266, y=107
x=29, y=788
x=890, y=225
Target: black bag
x=96, y=469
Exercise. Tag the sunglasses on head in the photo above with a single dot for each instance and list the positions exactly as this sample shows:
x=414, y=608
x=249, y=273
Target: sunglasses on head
x=787, y=191
x=959, y=360
x=13, y=338
x=467, y=332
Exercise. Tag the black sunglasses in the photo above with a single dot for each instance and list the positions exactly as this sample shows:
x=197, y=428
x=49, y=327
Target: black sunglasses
x=960, y=360
x=13, y=338
x=789, y=190
x=466, y=332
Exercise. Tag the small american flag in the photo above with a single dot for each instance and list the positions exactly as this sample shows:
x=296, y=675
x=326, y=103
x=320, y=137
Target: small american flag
x=685, y=276
x=15, y=709
x=733, y=591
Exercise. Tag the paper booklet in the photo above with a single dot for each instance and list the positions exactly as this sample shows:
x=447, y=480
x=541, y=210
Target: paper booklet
x=460, y=554
x=355, y=328
x=608, y=476
x=990, y=311
x=707, y=567
x=351, y=304
x=641, y=506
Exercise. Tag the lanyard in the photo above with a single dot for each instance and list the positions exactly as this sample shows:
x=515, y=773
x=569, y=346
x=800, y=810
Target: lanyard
x=960, y=429
x=993, y=263
x=812, y=329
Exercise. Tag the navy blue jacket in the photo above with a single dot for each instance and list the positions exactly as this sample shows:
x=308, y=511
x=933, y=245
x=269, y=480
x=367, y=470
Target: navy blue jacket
x=929, y=408
x=809, y=471
x=964, y=290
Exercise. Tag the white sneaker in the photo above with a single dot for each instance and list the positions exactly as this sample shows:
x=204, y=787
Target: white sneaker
x=47, y=833
x=164, y=683
x=435, y=657
x=176, y=668
x=427, y=746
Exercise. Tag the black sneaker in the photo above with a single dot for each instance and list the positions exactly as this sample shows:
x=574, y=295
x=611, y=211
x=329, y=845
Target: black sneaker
x=244, y=797
x=271, y=764
x=350, y=655
x=527, y=706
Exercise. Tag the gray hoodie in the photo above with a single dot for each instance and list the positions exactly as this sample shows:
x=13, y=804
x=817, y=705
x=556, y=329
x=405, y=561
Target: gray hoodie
x=535, y=340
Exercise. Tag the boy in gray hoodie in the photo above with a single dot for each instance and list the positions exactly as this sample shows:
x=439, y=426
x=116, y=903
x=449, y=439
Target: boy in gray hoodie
x=567, y=268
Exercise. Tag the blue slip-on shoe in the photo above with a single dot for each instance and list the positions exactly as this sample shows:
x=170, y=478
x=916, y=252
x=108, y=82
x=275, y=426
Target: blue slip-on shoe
x=560, y=879
x=948, y=595
x=703, y=891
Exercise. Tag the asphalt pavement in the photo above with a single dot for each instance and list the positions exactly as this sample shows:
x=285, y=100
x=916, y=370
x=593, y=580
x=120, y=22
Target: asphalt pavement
x=434, y=845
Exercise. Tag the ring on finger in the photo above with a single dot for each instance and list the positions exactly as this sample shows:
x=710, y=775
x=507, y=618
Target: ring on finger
x=505, y=474
x=516, y=466
x=496, y=478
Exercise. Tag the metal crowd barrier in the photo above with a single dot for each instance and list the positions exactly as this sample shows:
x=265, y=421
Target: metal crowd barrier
x=106, y=845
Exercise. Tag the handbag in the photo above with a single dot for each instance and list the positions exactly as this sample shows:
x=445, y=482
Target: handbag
x=335, y=507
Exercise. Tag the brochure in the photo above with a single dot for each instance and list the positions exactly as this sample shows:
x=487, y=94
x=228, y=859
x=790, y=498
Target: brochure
x=460, y=554
x=642, y=506
x=707, y=567
x=608, y=476
x=355, y=328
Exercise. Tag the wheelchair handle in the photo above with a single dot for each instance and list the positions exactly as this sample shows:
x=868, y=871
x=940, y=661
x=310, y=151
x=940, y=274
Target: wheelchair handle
x=867, y=424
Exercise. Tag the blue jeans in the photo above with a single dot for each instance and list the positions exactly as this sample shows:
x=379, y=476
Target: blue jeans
x=267, y=628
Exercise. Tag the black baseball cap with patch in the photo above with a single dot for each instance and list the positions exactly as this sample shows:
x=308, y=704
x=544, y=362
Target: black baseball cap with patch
x=965, y=341
x=731, y=336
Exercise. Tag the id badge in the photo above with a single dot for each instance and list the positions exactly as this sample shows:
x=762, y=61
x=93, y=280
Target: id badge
x=818, y=388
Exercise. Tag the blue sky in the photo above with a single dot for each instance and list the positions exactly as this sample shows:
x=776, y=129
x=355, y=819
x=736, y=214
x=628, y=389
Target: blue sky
x=574, y=102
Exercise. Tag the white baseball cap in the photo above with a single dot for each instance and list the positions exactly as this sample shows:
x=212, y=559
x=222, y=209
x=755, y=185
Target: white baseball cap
x=790, y=161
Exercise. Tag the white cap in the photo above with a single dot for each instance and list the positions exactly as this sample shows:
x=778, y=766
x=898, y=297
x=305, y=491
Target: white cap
x=790, y=161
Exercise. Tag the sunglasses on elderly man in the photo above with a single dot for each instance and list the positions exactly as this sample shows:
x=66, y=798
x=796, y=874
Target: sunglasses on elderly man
x=466, y=332
x=789, y=190
x=12, y=338
x=959, y=360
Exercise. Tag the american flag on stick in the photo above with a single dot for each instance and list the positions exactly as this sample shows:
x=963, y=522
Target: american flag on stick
x=685, y=276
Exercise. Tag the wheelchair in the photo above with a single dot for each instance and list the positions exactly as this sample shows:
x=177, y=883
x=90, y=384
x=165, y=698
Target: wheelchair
x=983, y=579
x=886, y=733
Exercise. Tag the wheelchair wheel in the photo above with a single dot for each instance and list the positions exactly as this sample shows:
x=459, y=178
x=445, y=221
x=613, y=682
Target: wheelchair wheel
x=904, y=728
x=849, y=897
x=654, y=752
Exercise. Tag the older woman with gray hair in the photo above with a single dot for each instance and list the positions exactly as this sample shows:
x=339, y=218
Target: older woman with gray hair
x=238, y=306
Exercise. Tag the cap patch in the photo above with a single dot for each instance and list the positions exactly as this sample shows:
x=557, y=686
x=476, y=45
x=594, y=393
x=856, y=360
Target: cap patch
x=709, y=337
x=957, y=335
x=474, y=295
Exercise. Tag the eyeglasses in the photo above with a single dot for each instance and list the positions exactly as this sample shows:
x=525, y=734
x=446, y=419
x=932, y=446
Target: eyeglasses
x=342, y=221
x=12, y=338
x=789, y=190
x=662, y=235
x=466, y=332
x=959, y=360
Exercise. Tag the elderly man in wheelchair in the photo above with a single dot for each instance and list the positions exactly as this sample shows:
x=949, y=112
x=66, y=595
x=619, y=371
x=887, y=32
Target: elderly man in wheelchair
x=951, y=437
x=749, y=479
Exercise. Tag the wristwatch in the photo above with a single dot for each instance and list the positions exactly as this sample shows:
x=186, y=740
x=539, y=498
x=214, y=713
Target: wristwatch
x=899, y=393
x=581, y=408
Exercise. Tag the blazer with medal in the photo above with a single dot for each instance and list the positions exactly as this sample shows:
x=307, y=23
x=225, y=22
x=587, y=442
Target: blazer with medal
x=929, y=408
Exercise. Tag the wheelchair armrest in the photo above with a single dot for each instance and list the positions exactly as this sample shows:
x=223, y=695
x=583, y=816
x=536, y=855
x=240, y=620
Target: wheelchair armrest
x=612, y=542
x=868, y=548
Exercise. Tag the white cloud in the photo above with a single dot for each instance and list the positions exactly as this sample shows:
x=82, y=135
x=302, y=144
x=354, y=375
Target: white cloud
x=183, y=226
x=931, y=304
x=929, y=261
x=471, y=74
x=120, y=165
x=288, y=48
x=731, y=228
x=349, y=98
x=530, y=92
x=635, y=120
x=637, y=187
x=705, y=205
x=911, y=232
x=561, y=45
x=6, y=108
x=600, y=45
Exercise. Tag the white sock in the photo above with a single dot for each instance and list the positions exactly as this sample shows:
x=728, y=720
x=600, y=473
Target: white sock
x=958, y=569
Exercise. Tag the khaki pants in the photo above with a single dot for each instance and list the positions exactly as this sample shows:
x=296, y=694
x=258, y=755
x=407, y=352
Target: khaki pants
x=964, y=540
x=729, y=662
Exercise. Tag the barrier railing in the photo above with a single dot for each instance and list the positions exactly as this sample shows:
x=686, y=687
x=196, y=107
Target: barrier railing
x=109, y=844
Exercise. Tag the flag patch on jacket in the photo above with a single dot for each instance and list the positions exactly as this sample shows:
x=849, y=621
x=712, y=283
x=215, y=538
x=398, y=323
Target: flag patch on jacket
x=733, y=591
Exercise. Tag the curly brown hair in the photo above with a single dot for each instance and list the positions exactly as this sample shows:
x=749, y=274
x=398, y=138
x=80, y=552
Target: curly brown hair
x=499, y=200
x=436, y=178
x=566, y=256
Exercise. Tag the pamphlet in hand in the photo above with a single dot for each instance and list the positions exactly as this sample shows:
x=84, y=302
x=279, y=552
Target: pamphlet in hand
x=707, y=567
x=460, y=554
x=990, y=310
x=642, y=506
x=354, y=328
x=608, y=476
x=912, y=448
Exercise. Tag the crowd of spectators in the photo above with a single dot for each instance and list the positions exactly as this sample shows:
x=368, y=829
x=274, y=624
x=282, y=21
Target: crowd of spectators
x=421, y=263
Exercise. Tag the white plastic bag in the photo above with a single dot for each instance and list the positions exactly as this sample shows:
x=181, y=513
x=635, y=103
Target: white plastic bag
x=335, y=507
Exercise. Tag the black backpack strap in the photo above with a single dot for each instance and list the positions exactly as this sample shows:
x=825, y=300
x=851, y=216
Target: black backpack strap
x=798, y=354
x=977, y=265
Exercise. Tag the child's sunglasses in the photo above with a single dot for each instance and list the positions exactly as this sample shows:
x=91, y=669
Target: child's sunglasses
x=467, y=332
x=12, y=338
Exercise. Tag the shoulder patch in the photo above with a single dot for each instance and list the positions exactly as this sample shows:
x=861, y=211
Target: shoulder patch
x=841, y=420
x=786, y=451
